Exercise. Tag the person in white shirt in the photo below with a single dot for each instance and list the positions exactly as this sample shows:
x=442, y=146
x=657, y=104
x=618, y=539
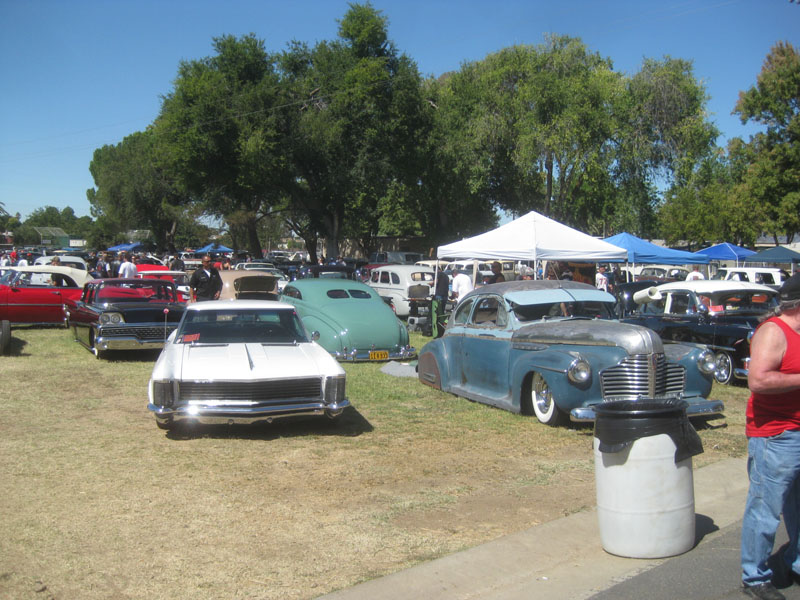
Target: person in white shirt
x=600, y=279
x=695, y=274
x=22, y=262
x=127, y=270
x=462, y=285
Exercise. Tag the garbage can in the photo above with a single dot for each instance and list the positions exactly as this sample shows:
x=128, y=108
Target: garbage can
x=643, y=474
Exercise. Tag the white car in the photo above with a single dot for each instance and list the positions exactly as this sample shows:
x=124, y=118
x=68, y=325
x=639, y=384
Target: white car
x=76, y=262
x=763, y=275
x=243, y=362
x=398, y=283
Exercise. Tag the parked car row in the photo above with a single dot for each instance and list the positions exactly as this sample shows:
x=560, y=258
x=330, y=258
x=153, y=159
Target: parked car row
x=552, y=349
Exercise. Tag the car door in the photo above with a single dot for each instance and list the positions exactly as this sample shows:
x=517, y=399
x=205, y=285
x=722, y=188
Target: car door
x=31, y=299
x=82, y=316
x=485, y=350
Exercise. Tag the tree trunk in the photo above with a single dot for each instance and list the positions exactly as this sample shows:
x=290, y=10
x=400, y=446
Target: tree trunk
x=253, y=243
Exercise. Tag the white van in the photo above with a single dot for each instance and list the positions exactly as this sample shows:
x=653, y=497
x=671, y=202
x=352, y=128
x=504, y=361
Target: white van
x=764, y=275
x=395, y=282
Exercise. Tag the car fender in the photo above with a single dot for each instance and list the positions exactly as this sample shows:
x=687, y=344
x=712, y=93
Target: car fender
x=331, y=336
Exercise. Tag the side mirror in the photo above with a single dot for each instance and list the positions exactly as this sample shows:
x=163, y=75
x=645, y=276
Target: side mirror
x=315, y=336
x=702, y=309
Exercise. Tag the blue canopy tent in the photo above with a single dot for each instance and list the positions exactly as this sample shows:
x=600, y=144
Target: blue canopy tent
x=130, y=247
x=777, y=254
x=213, y=248
x=726, y=251
x=642, y=251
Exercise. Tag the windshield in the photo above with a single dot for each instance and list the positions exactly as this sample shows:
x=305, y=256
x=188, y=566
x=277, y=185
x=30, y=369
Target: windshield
x=146, y=290
x=564, y=310
x=241, y=326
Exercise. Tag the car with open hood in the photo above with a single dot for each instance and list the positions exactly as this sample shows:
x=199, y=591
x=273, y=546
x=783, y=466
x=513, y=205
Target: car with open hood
x=352, y=320
x=243, y=362
x=721, y=314
x=553, y=349
x=124, y=314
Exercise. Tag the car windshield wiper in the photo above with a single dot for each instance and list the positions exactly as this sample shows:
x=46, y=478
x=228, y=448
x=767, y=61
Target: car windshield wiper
x=291, y=343
x=209, y=344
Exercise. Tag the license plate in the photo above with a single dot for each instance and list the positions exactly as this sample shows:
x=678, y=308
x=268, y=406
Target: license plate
x=379, y=355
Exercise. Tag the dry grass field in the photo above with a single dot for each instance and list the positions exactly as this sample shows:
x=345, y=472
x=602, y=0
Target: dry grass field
x=96, y=502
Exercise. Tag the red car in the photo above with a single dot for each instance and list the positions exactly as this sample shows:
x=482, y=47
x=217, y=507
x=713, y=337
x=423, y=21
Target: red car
x=35, y=295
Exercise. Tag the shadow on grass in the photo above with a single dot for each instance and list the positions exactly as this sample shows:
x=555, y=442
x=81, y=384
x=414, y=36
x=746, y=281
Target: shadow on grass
x=351, y=423
x=16, y=346
x=129, y=355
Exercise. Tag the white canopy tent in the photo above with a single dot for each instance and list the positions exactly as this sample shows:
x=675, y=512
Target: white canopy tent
x=534, y=237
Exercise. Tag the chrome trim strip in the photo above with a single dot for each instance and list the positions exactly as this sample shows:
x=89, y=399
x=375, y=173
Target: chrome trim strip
x=586, y=414
x=221, y=415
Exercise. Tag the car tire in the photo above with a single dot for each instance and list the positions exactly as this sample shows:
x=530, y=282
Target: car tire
x=543, y=404
x=5, y=336
x=724, y=371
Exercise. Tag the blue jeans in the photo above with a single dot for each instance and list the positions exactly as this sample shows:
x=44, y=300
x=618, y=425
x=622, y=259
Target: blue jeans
x=773, y=465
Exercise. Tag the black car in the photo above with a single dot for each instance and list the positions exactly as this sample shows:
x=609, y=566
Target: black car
x=720, y=314
x=124, y=314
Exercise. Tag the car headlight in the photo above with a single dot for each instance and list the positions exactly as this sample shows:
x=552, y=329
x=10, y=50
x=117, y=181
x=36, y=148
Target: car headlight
x=579, y=371
x=111, y=318
x=334, y=389
x=707, y=361
x=164, y=393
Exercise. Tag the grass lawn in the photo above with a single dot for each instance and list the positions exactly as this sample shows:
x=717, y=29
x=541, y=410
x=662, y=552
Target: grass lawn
x=96, y=502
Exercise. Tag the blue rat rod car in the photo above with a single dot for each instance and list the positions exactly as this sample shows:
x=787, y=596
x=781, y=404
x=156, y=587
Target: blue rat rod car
x=552, y=349
x=352, y=320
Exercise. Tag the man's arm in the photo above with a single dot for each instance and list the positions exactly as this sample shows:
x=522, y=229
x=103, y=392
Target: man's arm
x=767, y=349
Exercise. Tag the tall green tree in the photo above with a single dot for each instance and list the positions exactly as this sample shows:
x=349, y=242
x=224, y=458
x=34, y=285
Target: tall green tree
x=773, y=176
x=222, y=126
x=355, y=127
x=136, y=189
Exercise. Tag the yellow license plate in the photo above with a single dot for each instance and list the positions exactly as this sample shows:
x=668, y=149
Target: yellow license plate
x=379, y=355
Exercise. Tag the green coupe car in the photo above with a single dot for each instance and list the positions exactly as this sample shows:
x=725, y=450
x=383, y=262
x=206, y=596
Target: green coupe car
x=349, y=319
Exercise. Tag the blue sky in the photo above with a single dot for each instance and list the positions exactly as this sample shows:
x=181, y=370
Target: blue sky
x=78, y=74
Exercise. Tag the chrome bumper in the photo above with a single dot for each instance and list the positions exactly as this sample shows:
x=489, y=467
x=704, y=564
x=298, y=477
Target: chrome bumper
x=127, y=343
x=230, y=415
x=740, y=373
x=407, y=353
x=586, y=414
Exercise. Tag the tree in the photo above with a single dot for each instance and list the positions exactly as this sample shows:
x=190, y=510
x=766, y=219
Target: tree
x=355, y=128
x=136, y=188
x=774, y=171
x=222, y=128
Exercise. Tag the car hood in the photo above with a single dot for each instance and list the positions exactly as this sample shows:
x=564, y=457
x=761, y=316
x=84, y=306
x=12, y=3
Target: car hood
x=592, y=332
x=237, y=362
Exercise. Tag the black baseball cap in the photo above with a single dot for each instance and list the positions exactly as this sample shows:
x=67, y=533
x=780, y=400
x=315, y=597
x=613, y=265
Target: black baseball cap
x=790, y=290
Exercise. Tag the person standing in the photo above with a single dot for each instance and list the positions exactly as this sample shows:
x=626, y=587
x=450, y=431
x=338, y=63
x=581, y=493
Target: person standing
x=462, y=285
x=773, y=432
x=695, y=274
x=127, y=270
x=600, y=279
x=439, y=303
x=205, y=283
x=497, y=274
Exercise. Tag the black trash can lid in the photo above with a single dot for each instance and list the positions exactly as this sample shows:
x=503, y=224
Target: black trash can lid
x=640, y=408
x=620, y=423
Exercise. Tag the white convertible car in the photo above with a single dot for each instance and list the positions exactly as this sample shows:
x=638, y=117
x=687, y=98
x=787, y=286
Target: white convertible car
x=243, y=362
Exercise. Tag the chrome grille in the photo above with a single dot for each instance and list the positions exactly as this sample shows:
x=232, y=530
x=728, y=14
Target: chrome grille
x=643, y=375
x=277, y=390
x=140, y=332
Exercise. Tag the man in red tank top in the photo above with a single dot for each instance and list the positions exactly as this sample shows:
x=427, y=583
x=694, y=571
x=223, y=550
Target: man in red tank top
x=773, y=431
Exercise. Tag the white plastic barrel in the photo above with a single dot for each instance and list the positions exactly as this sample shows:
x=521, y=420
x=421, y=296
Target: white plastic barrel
x=643, y=473
x=645, y=500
